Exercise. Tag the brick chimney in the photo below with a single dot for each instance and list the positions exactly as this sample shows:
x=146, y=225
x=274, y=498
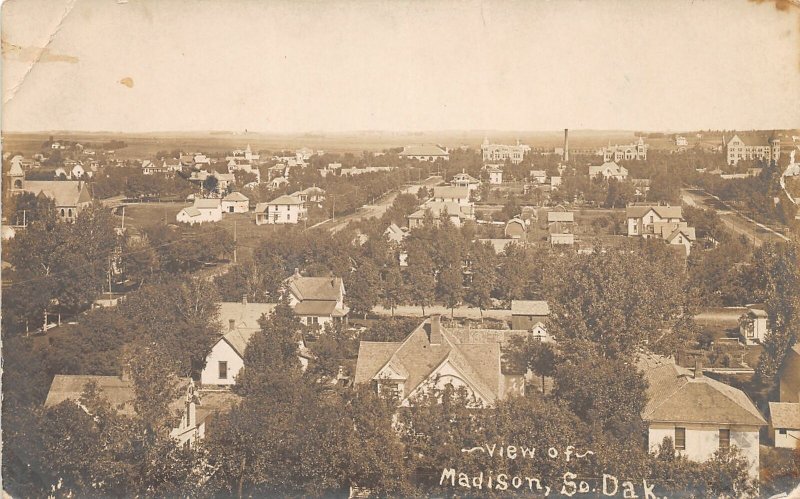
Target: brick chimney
x=244, y=299
x=698, y=369
x=435, y=336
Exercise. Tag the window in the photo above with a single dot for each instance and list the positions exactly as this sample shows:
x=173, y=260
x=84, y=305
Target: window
x=782, y=431
x=223, y=369
x=724, y=439
x=680, y=438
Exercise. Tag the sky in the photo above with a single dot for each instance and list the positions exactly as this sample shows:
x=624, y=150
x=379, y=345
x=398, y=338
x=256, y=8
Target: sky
x=339, y=66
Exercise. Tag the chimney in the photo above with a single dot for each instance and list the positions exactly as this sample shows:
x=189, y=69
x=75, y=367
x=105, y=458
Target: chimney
x=566, y=145
x=231, y=324
x=698, y=369
x=244, y=299
x=296, y=272
x=125, y=375
x=436, y=330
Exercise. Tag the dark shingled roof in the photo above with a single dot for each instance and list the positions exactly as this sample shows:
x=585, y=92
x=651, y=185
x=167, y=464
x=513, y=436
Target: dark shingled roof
x=675, y=395
x=417, y=358
x=785, y=415
x=315, y=288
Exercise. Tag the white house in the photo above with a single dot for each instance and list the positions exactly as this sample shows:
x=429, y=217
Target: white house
x=425, y=153
x=539, y=176
x=753, y=326
x=609, y=170
x=203, y=211
x=663, y=222
x=316, y=300
x=240, y=322
x=700, y=415
x=235, y=202
x=464, y=179
x=451, y=194
x=281, y=210
x=495, y=174
x=784, y=424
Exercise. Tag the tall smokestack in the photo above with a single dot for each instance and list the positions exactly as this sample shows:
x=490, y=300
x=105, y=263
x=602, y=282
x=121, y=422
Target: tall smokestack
x=566, y=145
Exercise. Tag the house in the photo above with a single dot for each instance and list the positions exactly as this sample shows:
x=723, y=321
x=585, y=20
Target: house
x=395, y=234
x=539, y=176
x=555, y=181
x=753, y=326
x=502, y=152
x=451, y=194
x=662, y=222
x=495, y=174
x=750, y=146
x=312, y=194
x=304, y=153
x=643, y=220
x=516, y=228
x=316, y=300
x=784, y=424
x=530, y=315
x=701, y=415
x=609, y=170
x=464, y=179
x=634, y=151
x=235, y=202
x=434, y=357
x=240, y=321
x=278, y=182
x=224, y=180
x=120, y=393
x=281, y=210
x=202, y=211
x=149, y=168
x=70, y=196
x=425, y=153
x=452, y=211
x=681, y=141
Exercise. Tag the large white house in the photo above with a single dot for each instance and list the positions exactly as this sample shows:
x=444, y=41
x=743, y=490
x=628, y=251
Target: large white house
x=240, y=322
x=750, y=146
x=425, y=153
x=663, y=222
x=281, y=210
x=609, y=170
x=784, y=416
x=699, y=414
x=202, y=211
x=451, y=194
x=316, y=300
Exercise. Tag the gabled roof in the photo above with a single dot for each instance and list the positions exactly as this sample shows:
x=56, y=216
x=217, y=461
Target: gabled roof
x=560, y=216
x=192, y=211
x=261, y=207
x=451, y=191
x=117, y=391
x=661, y=211
x=675, y=395
x=15, y=170
x=217, y=401
x=315, y=288
x=530, y=307
x=784, y=415
x=285, y=200
x=319, y=308
x=235, y=196
x=752, y=139
x=423, y=150
x=465, y=177
x=63, y=192
x=245, y=317
x=479, y=363
x=206, y=204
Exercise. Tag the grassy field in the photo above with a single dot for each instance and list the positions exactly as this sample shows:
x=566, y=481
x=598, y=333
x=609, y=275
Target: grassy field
x=248, y=234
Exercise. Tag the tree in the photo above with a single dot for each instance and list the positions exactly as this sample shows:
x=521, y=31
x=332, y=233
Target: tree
x=210, y=183
x=484, y=275
x=532, y=354
x=421, y=282
x=393, y=290
x=451, y=287
x=363, y=286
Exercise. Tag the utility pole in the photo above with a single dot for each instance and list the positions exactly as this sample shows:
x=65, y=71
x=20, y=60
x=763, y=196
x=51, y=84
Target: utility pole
x=109, y=275
x=333, y=210
x=123, y=217
x=234, y=241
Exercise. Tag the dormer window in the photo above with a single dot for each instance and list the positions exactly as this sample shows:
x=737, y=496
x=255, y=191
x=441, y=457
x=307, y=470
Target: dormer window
x=391, y=389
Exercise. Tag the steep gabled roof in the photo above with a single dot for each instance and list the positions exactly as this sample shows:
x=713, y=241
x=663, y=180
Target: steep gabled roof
x=245, y=317
x=560, y=216
x=675, y=395
x=785, y=415
x=423, y=150
x=479, y=362
x=207, y=204
x=235, y=196
x=315, y=288
x=285, y=200
x=530, y=307
x=451, y=191
x=661, y=211
x=63, y=192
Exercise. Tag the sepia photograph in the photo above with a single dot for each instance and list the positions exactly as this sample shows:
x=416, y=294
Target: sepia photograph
x=400, y=248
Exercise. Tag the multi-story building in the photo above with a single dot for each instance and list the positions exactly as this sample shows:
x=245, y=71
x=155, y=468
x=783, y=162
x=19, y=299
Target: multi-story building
x=635, y=151
x=752, y=147
x=281, y=210
x=502, y=152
